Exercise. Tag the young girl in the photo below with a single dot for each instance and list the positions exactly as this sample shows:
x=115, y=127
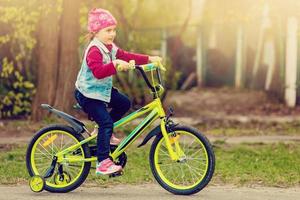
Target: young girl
x=94, y=91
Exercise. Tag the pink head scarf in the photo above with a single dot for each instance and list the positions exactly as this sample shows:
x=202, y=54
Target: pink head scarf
x=99, y=18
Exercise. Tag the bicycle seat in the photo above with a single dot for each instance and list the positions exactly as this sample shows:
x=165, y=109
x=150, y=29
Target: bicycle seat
x=79, y=108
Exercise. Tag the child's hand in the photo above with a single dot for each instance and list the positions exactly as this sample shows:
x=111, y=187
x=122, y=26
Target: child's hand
x=121, y=65
x=155, y=59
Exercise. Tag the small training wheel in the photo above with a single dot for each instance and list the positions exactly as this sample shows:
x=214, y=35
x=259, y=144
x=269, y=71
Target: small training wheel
x=37, y=183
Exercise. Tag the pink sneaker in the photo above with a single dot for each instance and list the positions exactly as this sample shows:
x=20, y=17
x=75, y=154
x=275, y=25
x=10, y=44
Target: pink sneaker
x=106, y=167
x=114, y=140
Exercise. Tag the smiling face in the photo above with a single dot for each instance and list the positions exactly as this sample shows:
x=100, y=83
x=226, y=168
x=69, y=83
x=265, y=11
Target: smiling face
x=107, y=35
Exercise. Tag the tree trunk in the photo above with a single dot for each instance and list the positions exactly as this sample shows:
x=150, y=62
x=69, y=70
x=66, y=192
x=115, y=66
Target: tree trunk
x=48, y=33
x=68, y=55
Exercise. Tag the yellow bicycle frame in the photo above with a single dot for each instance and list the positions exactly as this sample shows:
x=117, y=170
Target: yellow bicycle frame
x=155, y=111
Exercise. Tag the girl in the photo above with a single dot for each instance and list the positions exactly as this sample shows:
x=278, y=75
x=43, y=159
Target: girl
x=94, y=91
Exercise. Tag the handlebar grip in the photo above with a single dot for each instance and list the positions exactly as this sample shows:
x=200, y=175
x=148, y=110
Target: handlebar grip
x=152, y=66
x=120, y=67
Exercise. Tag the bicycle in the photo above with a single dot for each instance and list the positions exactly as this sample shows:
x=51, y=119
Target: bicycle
x=181, y=159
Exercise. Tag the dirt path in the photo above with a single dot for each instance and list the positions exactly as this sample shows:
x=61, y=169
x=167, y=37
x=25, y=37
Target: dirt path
x=229, y=140
x=256, y=139
x=7, y=138
x=202, y=102
x=149, y=192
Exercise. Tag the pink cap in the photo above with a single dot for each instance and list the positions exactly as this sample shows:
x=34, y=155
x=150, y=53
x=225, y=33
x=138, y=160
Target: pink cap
x=99, y=19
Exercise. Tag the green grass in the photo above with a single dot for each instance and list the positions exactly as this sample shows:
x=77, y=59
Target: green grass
x=137, y=169
x=270, y=165
x=12, y=165
x=244, y=164
x=13, y=168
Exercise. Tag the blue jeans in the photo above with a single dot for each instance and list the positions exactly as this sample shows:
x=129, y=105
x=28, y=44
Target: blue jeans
x=97, y=109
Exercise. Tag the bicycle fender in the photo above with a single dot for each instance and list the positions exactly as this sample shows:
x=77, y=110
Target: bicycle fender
x=75, y=123
x=154, y=132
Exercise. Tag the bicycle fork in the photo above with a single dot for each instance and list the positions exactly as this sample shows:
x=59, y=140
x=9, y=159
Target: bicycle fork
x=172, y=140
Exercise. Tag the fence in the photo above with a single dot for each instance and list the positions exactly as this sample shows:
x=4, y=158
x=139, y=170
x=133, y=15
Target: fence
x=243, y=56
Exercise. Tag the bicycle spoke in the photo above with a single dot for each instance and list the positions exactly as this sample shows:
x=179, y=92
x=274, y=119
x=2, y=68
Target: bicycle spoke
x=191, y=168
x=66, y=145
x=61, y=142
x=56, y=148
x=46, y=149
x=193, y=175
x=48, y=156
x=195, y=153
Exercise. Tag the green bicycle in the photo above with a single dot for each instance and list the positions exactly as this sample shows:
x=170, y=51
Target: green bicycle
x=181, y=159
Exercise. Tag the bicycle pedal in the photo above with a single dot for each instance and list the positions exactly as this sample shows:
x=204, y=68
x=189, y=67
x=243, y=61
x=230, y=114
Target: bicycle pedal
x=116, y=174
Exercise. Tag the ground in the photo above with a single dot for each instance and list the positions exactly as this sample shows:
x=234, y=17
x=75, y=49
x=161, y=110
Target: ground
x=152, y=192
x=208, y=109
x=227, y=101
x=230, y=112
x=225, y=115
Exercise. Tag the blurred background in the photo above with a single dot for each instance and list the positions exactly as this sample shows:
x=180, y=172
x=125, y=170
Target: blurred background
x=233, y=72
x=245, y=46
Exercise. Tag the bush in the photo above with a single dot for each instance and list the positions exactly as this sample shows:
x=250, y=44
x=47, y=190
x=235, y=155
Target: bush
x=16, y=93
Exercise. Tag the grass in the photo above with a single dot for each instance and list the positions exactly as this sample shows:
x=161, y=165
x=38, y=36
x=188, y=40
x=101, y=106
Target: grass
x=137, y=169
x=12, y=166
x=269, y=165
x=244, y=164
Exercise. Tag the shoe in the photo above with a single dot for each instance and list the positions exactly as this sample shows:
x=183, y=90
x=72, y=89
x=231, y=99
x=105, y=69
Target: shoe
x=106, y=167
x=114, y=140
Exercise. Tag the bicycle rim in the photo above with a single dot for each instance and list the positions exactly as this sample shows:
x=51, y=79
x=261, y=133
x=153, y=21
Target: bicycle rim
x=43, y=150
x=192, y=167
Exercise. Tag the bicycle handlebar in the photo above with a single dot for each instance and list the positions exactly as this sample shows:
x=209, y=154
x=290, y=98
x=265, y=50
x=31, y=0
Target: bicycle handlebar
x=145, y=68
x=145, y=78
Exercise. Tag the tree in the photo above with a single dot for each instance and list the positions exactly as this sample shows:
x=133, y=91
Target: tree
x=48, y=34
x=68, y=55
x=58, y=59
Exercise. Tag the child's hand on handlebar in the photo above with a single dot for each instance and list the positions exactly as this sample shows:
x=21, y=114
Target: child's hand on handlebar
x=122, y=65
x=155, y=59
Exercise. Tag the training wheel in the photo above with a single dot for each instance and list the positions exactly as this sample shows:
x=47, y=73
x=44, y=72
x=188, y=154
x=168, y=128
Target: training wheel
x=37, y=183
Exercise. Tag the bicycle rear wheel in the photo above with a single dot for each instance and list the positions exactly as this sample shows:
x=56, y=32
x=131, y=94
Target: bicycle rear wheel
x=195, y=167
x=67, y=176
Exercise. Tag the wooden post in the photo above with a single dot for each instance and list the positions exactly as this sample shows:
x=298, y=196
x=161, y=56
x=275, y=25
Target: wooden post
x=239, y=58
x=291, y=62
x=264, y=25
x=257, y=56
x=212, y=40
x=199, y=65
x=269, y=59
x=164, y=45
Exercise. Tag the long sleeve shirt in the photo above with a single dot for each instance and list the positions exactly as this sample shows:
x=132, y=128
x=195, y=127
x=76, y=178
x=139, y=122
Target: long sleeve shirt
x=100, y=70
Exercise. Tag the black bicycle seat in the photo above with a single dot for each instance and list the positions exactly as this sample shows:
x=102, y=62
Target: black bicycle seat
x=79, y=108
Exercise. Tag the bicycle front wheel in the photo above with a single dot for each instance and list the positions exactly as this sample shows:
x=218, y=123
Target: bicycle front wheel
x=66, y=176
x=195, y=167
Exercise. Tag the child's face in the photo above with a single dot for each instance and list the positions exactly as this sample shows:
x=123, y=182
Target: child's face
x=107, y=35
